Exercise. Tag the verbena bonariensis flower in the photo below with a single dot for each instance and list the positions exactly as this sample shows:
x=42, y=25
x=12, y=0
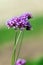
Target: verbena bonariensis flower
x=20, y=22
x=20, y=62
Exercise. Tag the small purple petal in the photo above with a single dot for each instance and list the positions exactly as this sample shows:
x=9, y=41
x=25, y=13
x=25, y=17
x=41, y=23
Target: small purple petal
x=23, y=62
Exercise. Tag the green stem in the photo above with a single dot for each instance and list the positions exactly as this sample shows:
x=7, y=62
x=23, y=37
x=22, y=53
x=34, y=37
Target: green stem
x=15, y=44
x=17, y=40
x=13, y=55
x=20, y=45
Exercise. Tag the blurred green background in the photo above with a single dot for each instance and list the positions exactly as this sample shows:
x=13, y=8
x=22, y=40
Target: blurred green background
x=32, y=46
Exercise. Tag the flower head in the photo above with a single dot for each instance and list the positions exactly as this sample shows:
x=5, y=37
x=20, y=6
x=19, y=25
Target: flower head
x=20, y=62
x=20, y=22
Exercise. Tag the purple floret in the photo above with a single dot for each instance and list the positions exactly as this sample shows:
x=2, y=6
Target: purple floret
x=28, y=26
x=20, y=62
x=26, y=16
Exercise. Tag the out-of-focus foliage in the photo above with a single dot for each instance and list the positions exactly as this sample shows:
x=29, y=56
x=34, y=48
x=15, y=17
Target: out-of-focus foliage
x=35, y=62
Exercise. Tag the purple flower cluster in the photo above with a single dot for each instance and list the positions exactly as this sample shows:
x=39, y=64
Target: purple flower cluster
x=20, y=22
x=20, y=62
